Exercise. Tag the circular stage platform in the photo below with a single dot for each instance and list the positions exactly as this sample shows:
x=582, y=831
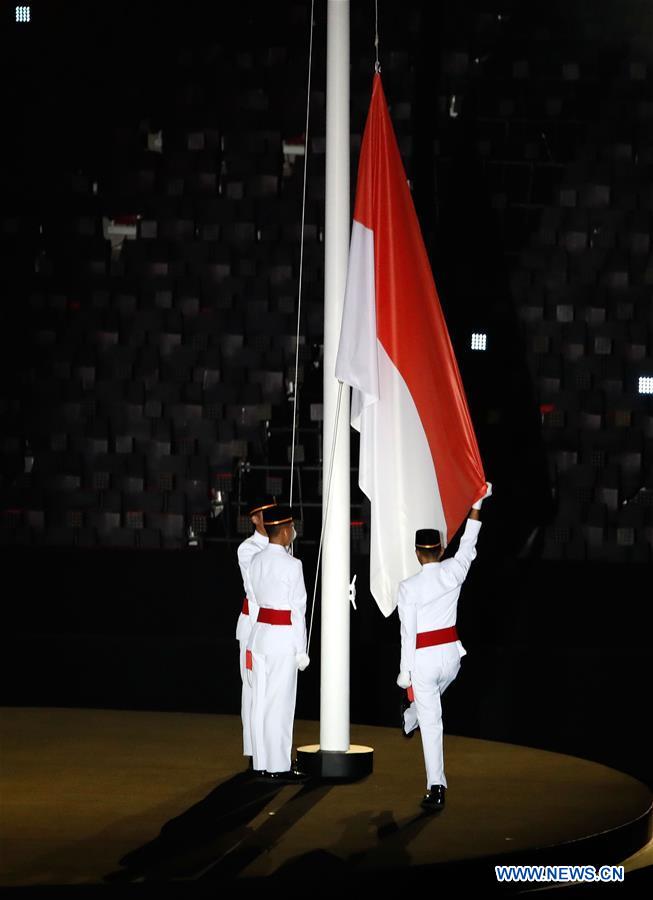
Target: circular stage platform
x=101, y=797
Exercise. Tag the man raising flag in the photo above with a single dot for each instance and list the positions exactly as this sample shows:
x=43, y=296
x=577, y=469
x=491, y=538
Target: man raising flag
x=418, y=451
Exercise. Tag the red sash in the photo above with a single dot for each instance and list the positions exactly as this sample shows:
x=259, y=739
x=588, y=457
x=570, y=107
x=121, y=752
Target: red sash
x=245, y=609
x=274, y=616
x=433, y=638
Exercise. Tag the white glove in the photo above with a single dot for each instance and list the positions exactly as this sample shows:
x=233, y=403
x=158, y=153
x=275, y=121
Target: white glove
x=488, y=493
x=403, y=680
x=302, y=661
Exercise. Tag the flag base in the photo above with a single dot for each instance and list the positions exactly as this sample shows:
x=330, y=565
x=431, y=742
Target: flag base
x=339, y=765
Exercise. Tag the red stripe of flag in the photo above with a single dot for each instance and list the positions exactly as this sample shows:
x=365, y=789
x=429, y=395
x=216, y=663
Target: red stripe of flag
x=410, y=322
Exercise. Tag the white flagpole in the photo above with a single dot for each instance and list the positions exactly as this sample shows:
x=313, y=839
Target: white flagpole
x=334, y=756
x=334, y=702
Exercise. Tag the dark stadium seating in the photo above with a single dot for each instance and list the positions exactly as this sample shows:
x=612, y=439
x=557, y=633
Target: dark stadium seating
x=152, y=368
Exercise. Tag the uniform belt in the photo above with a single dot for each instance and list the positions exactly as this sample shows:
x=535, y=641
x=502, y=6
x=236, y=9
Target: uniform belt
x=433, y=638
x=245, y=609
x=274, y=616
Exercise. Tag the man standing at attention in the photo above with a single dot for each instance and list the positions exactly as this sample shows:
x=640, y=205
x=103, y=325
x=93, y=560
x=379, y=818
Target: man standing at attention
x=430, y=649
x=277, y=645
x=246, y=552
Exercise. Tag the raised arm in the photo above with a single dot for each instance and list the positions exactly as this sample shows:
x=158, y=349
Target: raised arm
x=454, y=570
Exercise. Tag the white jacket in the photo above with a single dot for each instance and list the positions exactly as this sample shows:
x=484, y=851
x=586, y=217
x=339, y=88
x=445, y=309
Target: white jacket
x=429, y=600
x=276, y=580
x=247, y=550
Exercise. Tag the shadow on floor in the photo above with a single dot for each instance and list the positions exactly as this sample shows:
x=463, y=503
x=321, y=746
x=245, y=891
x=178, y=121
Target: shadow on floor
x=214, y=837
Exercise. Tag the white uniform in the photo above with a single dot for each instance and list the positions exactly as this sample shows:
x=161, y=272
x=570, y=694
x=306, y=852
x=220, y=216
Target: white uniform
x=246, y=552
x=428, y=601
x=276, y=582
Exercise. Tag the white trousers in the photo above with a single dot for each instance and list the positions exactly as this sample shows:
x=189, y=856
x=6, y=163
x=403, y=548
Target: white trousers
x=274, y=691
x=435, y=669
x=245, y=703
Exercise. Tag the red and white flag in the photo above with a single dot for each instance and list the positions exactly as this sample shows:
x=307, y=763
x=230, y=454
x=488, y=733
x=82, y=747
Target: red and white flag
x=419, y=460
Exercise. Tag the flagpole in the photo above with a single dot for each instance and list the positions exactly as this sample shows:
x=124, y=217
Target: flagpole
x=334, y=695
x=335, y=757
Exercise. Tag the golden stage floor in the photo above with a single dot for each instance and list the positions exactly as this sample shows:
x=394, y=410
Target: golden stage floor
x=81, y=788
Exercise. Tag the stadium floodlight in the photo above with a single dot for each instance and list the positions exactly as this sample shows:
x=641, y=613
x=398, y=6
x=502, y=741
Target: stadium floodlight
x=479, y=341
x=23, y=14
x=646, y=384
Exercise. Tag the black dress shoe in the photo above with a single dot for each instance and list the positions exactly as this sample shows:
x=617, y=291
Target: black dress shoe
x=403, y=706
x=434, y=798
x=292, y=776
